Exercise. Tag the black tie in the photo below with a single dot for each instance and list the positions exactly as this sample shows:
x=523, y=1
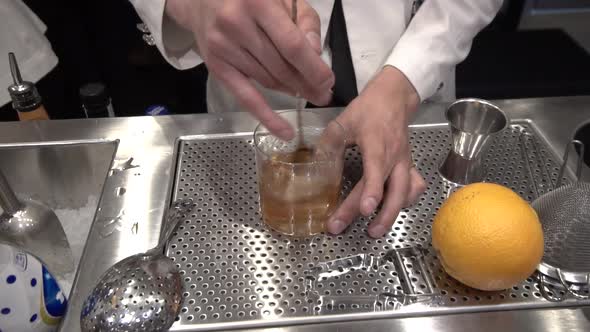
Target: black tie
x=345, y=89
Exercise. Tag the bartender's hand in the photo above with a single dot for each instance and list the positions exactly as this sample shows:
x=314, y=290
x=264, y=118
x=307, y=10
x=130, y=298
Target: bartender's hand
x=377, y=122
x=244, y=40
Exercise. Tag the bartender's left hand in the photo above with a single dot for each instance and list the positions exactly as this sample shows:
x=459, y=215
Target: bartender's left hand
x=377, y=121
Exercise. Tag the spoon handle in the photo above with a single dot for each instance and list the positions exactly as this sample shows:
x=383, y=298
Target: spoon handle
x=300, y=103
x=8, y=200
x=294, y=11
x=175, y=214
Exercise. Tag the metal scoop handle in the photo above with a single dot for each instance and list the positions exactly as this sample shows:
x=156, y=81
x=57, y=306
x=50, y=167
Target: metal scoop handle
x=173, y=217
x=8, y=200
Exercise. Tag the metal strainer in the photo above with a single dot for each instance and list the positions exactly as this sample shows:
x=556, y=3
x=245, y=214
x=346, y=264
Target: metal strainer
x=565, y=216
x=142, y=292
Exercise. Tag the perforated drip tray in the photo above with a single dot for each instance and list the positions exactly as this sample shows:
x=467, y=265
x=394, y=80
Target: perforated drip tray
x=239, y=274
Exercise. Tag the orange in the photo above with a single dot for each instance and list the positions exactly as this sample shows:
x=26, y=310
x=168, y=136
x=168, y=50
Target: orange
x=487, y=237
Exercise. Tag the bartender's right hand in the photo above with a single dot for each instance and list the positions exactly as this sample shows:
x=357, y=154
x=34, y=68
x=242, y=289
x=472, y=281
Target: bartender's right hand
x=244, y=40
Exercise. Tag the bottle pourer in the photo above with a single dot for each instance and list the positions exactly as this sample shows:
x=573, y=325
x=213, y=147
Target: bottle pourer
x=24, y=94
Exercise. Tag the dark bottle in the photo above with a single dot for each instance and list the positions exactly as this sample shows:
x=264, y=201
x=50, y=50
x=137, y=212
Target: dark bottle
x=96, y=101
x=25, y=97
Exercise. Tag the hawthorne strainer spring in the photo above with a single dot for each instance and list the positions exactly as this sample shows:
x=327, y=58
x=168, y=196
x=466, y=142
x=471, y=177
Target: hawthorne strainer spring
x=565, y=215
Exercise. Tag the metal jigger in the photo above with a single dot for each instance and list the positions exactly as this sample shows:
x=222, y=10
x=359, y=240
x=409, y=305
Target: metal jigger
x=34, y=228
x=473, y=122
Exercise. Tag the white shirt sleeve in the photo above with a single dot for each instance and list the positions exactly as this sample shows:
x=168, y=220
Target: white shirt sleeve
x=176, y=44
x=438, y=38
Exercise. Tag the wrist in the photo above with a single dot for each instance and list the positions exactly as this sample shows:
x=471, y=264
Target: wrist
x=397, y=84
x=392, y=87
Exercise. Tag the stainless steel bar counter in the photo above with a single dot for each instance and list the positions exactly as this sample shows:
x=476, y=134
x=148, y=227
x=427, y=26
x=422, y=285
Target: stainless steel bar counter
x=137, y=186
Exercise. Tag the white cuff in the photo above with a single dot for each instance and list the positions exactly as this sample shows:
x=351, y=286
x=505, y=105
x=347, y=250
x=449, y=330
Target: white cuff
x=437, y=39
x=425, y=78
x=176, y=44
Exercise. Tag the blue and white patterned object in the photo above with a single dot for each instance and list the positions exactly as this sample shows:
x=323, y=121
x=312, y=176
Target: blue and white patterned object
x=30, y=298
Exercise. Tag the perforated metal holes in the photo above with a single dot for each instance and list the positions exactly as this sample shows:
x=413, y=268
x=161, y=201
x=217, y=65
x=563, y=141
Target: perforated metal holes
x=143, y=302
x=235, y=269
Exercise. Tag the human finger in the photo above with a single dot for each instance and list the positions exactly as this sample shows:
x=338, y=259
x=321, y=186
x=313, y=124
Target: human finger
x=417, y=187
x=284, y=72
x=291, y=42
x=250, y=98
x=398, y=184
x=242, y=60
x=374, y=172
x=234, y=26
x=309, y=22
x=347, y=211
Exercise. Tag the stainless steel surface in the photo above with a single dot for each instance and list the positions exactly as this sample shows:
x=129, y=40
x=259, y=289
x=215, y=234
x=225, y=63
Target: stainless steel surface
x=141, y=292
x=531, y=154
x=61, y=174
x=517, y=320
x=473, y=122
x=393, y=262
x=66, y=175
x=33, y=227
x=150, y=142
x=238, y=271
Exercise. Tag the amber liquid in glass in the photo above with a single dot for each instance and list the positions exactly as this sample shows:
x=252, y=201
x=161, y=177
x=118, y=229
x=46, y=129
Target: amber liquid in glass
x=297, y=201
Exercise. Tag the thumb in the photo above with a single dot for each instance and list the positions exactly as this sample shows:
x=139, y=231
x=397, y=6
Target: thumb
x=309, y=22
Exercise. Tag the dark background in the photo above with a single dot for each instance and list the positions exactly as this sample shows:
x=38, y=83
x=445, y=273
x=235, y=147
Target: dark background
x=99, y=41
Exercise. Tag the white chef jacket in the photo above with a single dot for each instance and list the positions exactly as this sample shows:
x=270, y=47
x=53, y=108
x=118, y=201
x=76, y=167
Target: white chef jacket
x=426, y=48
x=23, y=33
